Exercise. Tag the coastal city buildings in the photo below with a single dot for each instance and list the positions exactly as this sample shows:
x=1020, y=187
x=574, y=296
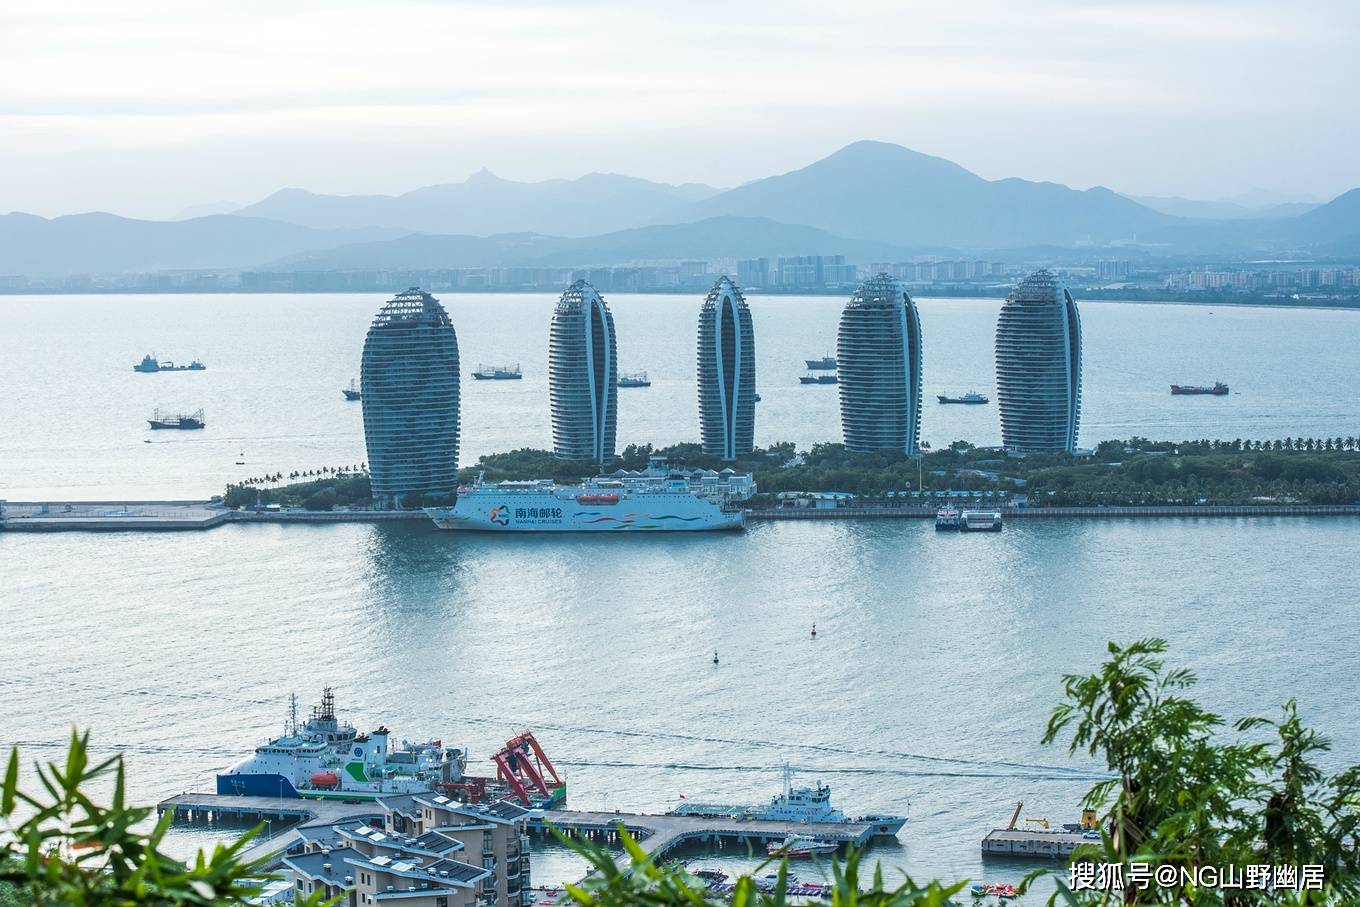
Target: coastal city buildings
x=878, y=355
x=430, y=851
x=583, y=374
x=727, y=373
x=409, y=381
x=1038, y=367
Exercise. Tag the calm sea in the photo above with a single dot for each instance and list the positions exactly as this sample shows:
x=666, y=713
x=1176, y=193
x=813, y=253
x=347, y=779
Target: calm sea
x=938, y=656
x=72, y=411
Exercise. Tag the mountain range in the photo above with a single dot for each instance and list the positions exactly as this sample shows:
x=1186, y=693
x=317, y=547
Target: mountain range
x=868, y=201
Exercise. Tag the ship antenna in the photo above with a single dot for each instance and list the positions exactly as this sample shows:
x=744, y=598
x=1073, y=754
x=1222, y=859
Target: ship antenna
x=788, y=779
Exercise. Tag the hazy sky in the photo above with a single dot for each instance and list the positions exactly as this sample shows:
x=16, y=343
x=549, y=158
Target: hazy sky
x=144, y=107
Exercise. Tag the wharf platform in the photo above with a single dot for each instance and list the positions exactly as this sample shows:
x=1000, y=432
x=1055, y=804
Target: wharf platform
x=1030, y=843
x=143, y=516
x=913, y=511
x=301, y=814
x=658, y=834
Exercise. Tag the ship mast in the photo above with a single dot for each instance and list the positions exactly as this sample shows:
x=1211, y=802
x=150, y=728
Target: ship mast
x=292, y=715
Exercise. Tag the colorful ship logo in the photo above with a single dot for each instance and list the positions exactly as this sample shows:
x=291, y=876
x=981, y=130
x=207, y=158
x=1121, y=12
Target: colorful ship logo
x=500, y=516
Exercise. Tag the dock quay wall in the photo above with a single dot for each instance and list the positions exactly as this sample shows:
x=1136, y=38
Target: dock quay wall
x=1013, y=513
x=154, y=516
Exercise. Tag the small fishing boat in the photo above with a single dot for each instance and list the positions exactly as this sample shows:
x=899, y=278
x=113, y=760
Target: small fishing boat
x=817, y=379
x=352, y=392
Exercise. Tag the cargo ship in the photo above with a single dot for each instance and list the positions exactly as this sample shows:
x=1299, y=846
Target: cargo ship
x=657, y=500
x=970, y=397
x=817, y=379
x=1043, y=840
x=150, y=364
x=1218, y=390
x=183, y=421
x=498, y=373
x=794, y=804
x=326, y=758
x=826, y=363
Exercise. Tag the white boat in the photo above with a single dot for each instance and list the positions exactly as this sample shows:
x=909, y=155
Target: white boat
x=657, y=500
x=801, y=846
x=795, y=804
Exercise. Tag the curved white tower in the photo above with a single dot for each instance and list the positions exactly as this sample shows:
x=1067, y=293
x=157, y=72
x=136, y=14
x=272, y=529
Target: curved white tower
x=878, y=362
x=727, y=373
x=583, y=375
x=1038, y=366
x=409, y=380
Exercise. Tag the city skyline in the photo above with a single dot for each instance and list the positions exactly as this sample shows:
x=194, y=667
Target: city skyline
x=1150, y=96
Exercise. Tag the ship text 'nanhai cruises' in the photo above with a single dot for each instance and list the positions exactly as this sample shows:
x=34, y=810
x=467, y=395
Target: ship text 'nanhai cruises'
x=658, y=499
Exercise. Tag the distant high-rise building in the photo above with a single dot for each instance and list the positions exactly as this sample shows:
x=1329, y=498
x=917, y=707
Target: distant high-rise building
x=878, y=356
x=583, y=375
x=409, y=380
x=1038, y=366
x=753, y=272
x=727, y=373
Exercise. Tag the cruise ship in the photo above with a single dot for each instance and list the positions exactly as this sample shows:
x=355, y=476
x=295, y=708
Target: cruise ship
x=794, y=804
x=657, y=500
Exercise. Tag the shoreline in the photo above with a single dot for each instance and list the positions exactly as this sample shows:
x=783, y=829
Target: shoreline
x=178, y=516
x=979, y=294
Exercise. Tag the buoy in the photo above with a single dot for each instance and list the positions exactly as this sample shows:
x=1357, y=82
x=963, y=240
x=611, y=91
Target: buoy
x=715, y=656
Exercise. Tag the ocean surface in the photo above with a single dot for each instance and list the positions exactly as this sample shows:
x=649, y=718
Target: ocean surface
x=73, y=413
x=938, y=657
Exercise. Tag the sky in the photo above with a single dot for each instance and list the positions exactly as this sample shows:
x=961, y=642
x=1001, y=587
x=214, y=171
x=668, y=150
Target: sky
x=147, y=107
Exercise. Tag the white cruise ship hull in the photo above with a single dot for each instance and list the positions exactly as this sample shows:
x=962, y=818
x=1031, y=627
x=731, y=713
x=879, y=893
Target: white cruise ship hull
x=488, y=510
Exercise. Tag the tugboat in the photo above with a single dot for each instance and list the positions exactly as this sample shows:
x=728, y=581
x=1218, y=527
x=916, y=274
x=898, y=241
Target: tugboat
x=352, y=392
x=817, y=379
x=969, y=397
x=1218, y=390
x=634, y=379
x=498, y=373
x=150, y=364
x=826, y=363
x=180, y=420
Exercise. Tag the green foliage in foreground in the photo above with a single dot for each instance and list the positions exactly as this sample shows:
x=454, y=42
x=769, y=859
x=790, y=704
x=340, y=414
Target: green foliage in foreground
x=59, y=847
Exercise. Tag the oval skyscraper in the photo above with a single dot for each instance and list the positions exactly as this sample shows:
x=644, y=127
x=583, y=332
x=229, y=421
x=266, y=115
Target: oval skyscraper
x=409, y=381
x=878, y=356
x=583, y=375
x=1038, y=366
x=727, y=373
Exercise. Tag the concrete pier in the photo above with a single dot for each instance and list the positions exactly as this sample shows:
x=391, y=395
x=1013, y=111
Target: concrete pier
x=659, y=834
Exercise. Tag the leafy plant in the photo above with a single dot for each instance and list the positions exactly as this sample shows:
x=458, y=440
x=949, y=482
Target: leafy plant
x=60, y=847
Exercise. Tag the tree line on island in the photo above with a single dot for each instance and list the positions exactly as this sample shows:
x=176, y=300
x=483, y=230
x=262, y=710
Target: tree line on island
x=1185, y=789
x=1133, y=472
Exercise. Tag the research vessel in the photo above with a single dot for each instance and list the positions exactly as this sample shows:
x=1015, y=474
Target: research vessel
x=657, y=500
x=1218, y=390
x=794, y=804
x=326, y=758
